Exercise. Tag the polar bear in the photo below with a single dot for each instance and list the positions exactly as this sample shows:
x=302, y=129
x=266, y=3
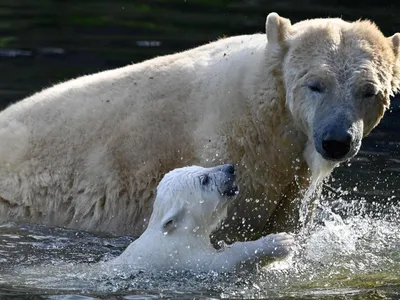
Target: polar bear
x=286, y=106
x=190, y=203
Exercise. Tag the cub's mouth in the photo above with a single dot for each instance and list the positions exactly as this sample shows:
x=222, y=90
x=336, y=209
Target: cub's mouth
x=230, y=187
x=232, y=191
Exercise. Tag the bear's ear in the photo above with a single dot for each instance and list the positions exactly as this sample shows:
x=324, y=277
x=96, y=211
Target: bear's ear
x=395, y=41
x=277, y=28
x=170, y=221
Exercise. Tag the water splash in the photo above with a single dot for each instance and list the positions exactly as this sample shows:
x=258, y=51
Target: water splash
x=351, y=248
x=337, y=255
x=320, y=170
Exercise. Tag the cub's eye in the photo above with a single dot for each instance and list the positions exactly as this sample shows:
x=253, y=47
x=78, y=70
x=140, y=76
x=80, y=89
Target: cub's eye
x=369, y=91
x=204, y=179
x=316, y=86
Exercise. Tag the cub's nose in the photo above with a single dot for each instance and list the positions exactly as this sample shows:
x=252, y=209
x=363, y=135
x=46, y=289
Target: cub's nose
x=336, y=146
x=228, y=168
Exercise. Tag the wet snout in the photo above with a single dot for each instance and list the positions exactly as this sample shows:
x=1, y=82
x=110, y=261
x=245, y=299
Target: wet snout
x=228, y=169
x=336, y=142
x=338, y=139
x=229, y=188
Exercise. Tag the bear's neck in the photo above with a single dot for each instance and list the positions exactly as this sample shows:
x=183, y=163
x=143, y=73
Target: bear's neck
x=270, y=137
x=270, y=150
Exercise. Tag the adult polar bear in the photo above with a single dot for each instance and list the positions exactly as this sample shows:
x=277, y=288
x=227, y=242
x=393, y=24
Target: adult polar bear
x=88, y=153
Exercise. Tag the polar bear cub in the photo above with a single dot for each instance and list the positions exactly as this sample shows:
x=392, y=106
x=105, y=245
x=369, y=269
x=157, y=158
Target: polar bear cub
x=190, y=203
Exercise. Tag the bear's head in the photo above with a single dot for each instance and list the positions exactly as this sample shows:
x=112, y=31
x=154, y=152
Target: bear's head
x=193, y=199
x=338, y=78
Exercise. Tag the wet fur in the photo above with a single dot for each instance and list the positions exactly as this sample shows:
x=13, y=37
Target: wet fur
x=88, y=153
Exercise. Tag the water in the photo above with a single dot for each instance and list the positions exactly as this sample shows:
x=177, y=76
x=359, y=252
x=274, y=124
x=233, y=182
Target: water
x=352, y=249
x=336, y=259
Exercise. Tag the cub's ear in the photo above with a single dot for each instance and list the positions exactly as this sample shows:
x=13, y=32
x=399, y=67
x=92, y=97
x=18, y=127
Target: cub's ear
x=395, y=43
x=277, y=28
x=171, y=219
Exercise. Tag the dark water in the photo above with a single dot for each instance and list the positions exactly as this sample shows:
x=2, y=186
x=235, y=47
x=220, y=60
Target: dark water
x=353, y=252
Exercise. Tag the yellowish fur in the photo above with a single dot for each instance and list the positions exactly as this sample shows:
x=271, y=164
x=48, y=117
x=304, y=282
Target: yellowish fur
x=88, y=153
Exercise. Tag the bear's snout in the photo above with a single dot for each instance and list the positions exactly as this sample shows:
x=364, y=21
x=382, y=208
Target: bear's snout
x=336, y=144
x=228, y=168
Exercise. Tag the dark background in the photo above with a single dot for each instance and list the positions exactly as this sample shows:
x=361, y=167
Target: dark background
x=43, y=42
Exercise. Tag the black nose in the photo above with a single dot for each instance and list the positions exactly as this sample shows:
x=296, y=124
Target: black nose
x=228, y=168
x=337, y=146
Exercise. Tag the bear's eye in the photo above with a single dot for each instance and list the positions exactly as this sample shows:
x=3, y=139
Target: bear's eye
x=369, y=91
x=316, y=87
x=204, y=179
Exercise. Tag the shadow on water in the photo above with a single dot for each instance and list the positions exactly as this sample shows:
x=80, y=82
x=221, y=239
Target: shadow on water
x=352, y=250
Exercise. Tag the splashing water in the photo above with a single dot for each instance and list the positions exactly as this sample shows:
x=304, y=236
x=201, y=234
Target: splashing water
x=347, y=256
x=350, y=249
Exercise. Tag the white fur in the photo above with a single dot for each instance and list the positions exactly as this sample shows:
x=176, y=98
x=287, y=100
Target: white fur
x=88, y=153
x=194, y=211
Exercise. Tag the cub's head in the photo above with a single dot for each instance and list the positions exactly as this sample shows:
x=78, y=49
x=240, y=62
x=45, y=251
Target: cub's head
x=338, y=76
x=193, y=199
